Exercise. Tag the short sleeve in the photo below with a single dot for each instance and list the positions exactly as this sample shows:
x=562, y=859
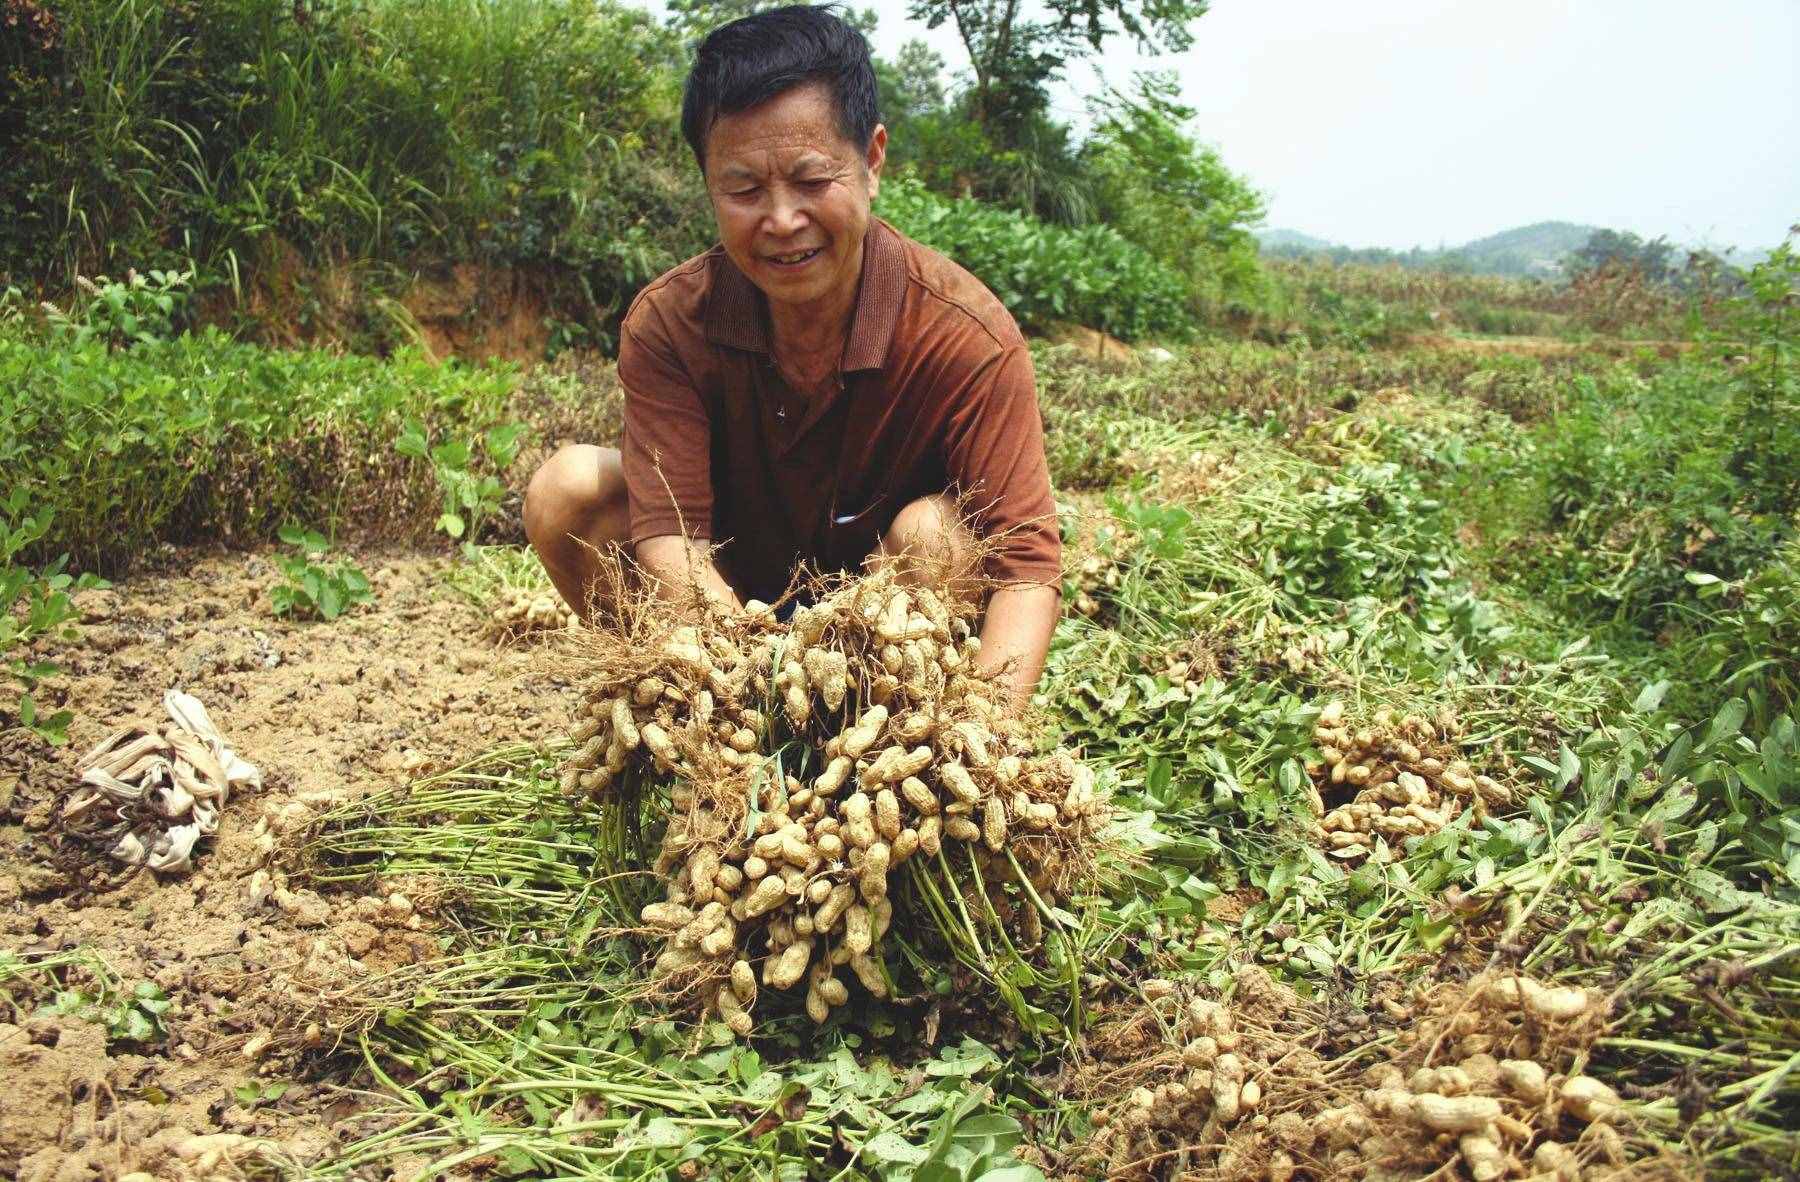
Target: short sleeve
x=667, y=448
x=995, y=460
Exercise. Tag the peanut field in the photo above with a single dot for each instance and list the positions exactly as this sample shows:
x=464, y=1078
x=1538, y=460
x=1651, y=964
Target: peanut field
x=1414, y=790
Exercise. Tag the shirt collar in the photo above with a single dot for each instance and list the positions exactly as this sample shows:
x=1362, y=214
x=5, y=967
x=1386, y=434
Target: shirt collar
x=736, y=315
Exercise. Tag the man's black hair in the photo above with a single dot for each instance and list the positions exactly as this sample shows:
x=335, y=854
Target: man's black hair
x=755, y=58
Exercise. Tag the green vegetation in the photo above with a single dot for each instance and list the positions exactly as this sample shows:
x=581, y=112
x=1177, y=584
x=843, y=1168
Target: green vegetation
x=300, y=172
x=141, y=310
x=1015, y=54
x=1660, y=506
x=1538, y=251
x=470, y=496
x=310, y=587
x=1285, y=529
x=1552, y=279
x=539, y=1009
x=83, y=987
x=1174, y=197
x=1579, y=571
x=1373, y=305
x=1523, y=252
x=1045, y=273
x=234, y=139
x=34, y=605
x=202, y=436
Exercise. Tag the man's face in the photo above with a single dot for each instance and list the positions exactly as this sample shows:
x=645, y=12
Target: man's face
x=792, y=195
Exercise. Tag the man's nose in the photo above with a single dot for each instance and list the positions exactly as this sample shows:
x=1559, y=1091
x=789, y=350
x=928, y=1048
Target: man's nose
x=787, y=214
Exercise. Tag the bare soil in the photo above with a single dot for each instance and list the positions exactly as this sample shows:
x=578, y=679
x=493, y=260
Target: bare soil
x=328, y=712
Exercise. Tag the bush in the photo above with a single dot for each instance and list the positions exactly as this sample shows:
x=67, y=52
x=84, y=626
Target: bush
x=1041, y=176
x=1639, y=485
x=202, y=438
x=1289, y=388
x=1306, y=304
x=1045, y=273
x=142, y=309
x=34, y=606
x=1744, y=636
x=1501, y=320
x=311, y=588
x=1310, y=295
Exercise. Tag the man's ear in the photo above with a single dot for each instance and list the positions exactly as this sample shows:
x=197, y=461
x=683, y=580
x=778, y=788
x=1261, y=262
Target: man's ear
x=876, y=157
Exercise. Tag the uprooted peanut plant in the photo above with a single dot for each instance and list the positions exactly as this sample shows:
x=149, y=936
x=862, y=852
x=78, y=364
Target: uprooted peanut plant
x=805, y=764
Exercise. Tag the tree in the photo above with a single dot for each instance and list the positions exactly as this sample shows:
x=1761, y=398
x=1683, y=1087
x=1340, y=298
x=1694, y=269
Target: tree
x=1170, y=194
x=912, y=85
x=1015, y=56
x=692, y=20
x=1623, y=251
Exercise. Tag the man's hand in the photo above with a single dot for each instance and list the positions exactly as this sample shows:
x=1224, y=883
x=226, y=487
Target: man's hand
x=1015, y=636
x=683, y=570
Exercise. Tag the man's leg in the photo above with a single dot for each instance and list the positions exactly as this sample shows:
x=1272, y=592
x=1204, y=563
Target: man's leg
x=575, y=508
x=930, y=545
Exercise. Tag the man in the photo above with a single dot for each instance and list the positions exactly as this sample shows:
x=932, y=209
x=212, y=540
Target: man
x=816, y=388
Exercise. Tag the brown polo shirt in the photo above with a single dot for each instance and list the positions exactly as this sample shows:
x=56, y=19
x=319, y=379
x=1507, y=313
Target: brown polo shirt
x=936, y=395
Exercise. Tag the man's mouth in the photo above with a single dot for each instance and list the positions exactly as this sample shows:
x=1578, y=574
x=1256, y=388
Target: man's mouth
x=794, y=258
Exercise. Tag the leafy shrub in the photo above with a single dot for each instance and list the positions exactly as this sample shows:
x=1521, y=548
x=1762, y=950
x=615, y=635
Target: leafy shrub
x=1414, y=297
x=1370, y=529
x=1308, y=304
x=1743, y=636
x=1613, y=502
x=142, y=309
x=202, y=437
x=1289, y=387
x=1045, y=273
x=1639, y=484
x=312, y=588
x=1725, y=775
x=34, y=605
x=1040, y=176
x=136, y=1017
x=470, y=496
x=1501, y=320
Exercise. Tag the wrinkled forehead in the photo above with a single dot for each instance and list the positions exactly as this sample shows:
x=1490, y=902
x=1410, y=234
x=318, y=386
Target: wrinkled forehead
x=795, y=131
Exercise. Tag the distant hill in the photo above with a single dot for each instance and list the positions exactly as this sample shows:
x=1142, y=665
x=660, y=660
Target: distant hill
x=1293, y=240
x=1524, y=250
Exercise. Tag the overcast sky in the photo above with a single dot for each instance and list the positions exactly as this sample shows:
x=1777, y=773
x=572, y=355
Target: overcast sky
x=1426, y=122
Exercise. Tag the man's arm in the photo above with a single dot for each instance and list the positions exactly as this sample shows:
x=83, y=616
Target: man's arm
x=682, y=569
x=667, y=465
x=1015, y=636
x=994, y=452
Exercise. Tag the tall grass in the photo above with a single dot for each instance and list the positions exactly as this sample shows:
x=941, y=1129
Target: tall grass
x=229, y=131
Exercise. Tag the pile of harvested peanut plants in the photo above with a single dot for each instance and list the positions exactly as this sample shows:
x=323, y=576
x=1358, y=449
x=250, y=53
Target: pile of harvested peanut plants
x=1480, y=1081
x=1163, y=1113
x=800, y=766
x=522, y=612
x=1404, y=778
x=1094, y=568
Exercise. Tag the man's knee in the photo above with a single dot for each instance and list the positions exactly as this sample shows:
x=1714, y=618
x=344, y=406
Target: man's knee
x=930, y=540
x=578, y=491
x=927, y=524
